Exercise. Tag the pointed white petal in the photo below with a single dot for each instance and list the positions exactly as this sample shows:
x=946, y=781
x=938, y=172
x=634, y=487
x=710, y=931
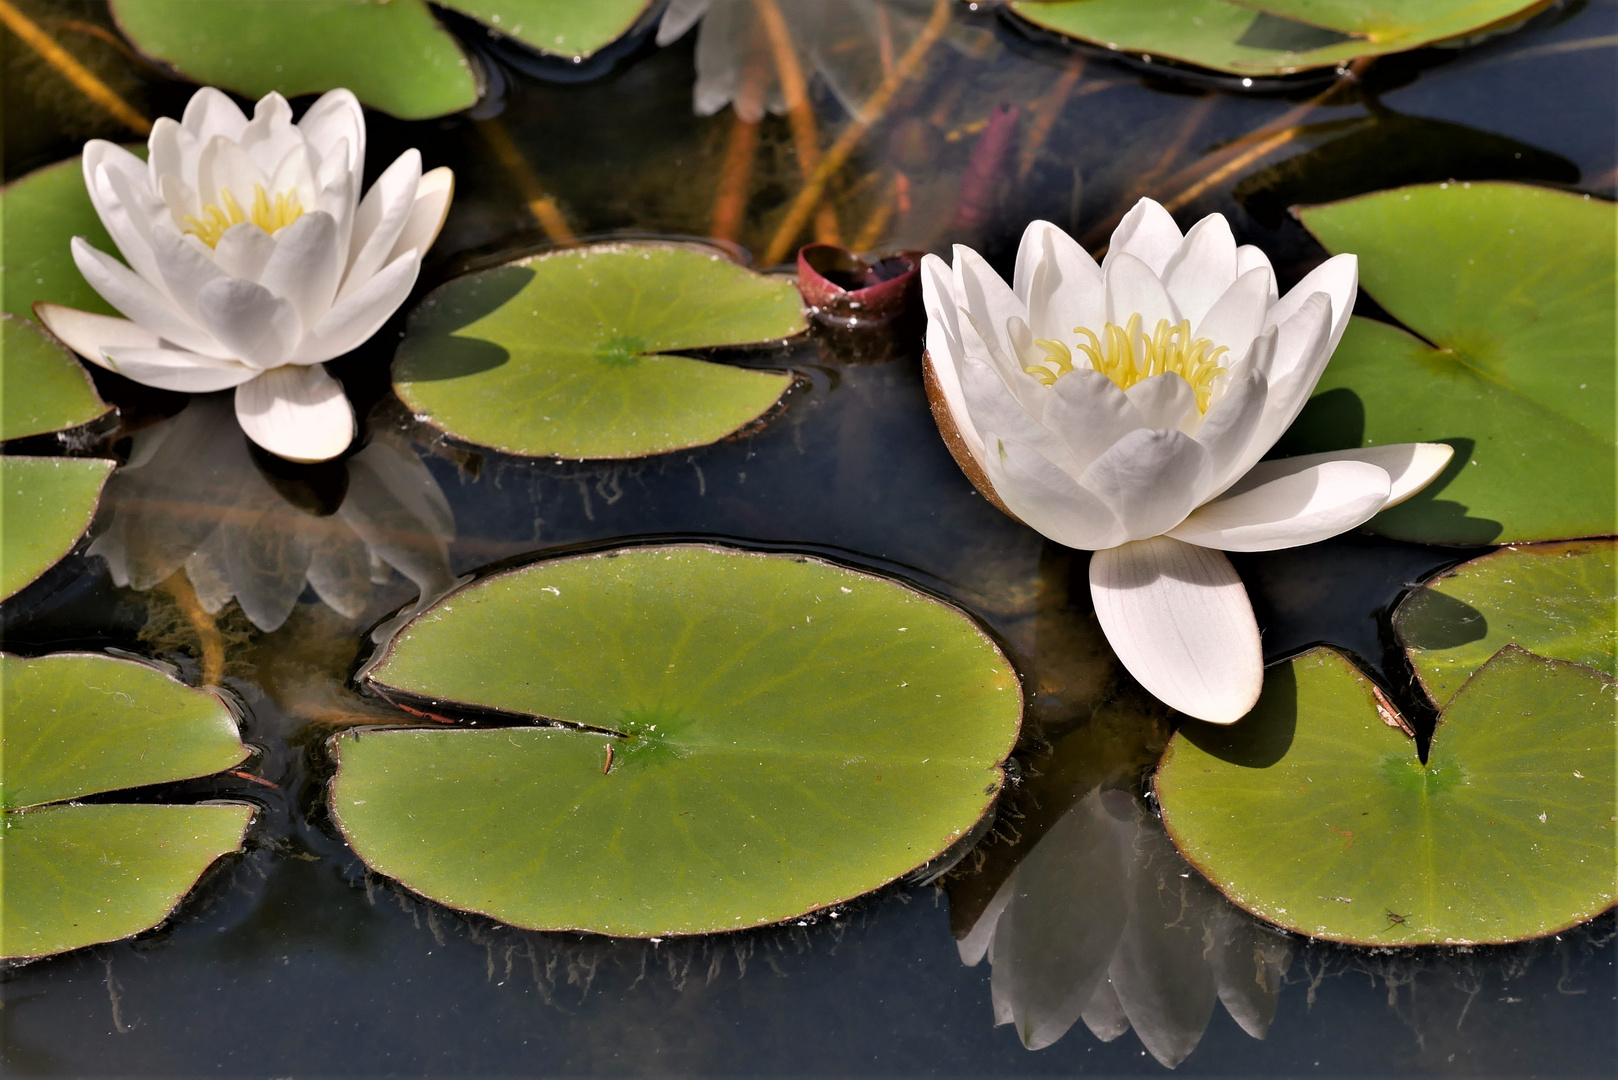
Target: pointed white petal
x=944, y=349
x=304, y=267
x=244, y=251
x=1134, y=289
x=334, y=118
x=356, y=317
x=1203, y=268
x=1229, y=428
x=164, y=152
x=124, y=200
x=1290, y=510
x=1066, y=289
x=1248, y=258
x=176, y=369
x=1147, y=232
x=259, y=328
x=185, y=263
x=1090, y=413
x=1179, y=619
x=1164, y=401
x=1410, y=466
x=1339, y=278
x=139, y=299
x=270, y=136
x=1047, y=499
x=88, y=334
x=299, y=413
x=991, y=407
x=1150, y=479
x=427, y=215
x=379, y=220
x=224, y=166
x=990, y=305
x=210, y=113
x=1236, y=318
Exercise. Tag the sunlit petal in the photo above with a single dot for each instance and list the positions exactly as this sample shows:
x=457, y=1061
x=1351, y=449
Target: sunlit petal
x=1294, y=508
x=299, y=413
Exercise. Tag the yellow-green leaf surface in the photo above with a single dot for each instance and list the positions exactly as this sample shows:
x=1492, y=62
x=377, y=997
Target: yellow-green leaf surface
x=42, y=386
x=46, y=504
x=1513, y=287
x=1555, y=600
x=758, y=736
x=1268, y=37
x=1314, y=812
x=73, y=725
x=394, y=56
x=564, y=27
x=565, y=354
x=42, y=212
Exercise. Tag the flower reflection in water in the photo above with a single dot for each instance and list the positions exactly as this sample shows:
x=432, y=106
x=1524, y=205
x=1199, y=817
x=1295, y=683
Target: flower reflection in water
x=1104, y=922
x=192, y=496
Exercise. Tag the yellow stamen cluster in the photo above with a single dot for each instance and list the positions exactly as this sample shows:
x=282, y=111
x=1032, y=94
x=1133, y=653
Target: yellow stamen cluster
x=215, y=219
x=1127, y=356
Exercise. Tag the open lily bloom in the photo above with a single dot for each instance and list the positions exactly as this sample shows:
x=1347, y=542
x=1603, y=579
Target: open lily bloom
x=252, y=260
x=1124, y=409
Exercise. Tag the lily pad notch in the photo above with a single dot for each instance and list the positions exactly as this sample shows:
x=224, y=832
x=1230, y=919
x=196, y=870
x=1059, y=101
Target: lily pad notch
x=748, y=738
x=568, y=354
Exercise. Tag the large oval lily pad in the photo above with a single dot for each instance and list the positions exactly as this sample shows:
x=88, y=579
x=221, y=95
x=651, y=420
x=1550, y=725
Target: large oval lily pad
x=1269, y=37
x=394, y=55
x=757, y=736
x=78, y=725
x=1514, y=287
x=42, y=386
x=1555, y=600
x=565, y=354
x=42, y=212
x=46, y=504
x=1314, y=812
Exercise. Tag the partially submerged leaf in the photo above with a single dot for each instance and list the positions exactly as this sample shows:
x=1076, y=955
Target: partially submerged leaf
x=750, y=737
x=46, y=504
x=45, y=388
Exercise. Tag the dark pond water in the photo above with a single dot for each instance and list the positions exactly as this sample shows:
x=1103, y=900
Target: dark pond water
x=293, y=960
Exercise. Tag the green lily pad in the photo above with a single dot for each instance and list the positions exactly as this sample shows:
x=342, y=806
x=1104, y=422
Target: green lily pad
x=395, y=56
x=1555, y=600
x=1314, y=812
x=563, y=354
x=77, y=725
x=46, y=504
x=1513, y=286
x=42, y=212
x=42, y=385
x=1268, y=37
x=751, y=737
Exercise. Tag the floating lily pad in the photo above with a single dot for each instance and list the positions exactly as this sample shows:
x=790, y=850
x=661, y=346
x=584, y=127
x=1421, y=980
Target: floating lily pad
x=44, y=386
x=1268, y=37
x=1514, y=287
x=395, y=56
x=1555, y=600
x=46, y=504
x=757, y=736
x=77, y=725
x=564, y=354
x=42, y=212
x=1314, y=812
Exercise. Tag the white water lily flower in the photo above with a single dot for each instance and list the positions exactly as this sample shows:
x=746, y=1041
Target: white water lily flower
x=252, y=260
x=1124, y=409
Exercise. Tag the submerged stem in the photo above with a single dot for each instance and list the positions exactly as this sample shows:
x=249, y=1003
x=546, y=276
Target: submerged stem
x=540, y=203
x=85, y=80
x=209, y=639
x=800, y=114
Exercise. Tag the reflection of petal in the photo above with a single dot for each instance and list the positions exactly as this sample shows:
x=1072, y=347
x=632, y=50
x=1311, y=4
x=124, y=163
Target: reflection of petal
x=396, y=507
x=267, y=556
x=1104, y=1014
x=339, y=569
x=1165, y=984
x=206, y=570
x=1248, y=962
x=1052, y=943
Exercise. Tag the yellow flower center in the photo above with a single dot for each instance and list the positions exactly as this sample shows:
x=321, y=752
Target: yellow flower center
x=266, y=215
x=1127, y=356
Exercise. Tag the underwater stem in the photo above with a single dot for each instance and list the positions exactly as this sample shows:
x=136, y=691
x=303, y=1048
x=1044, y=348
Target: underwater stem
x=1045, y=113
x=209, y=639
x=843, y=148
x=540, y=204
x=70, y=69
x=800, y=114
x=736, y=172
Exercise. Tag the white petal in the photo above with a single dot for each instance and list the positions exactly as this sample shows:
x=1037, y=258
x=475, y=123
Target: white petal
x=1203, y=268
x=176, y=369
x=1228, y=430
x=1300, y=359
x=185, y=263
x=1292, y=509
x=1236, y=318
x=295, y=172
x=270, y=136
x=1339, y=278
x=295, y=412
x=1150, y=479
x=244, y=251
x=1248, y=258
x=1147, y=232
x=1179, y=619
x=380, y=218
x=88, y=334
x=139, y=299
x=304, y=267
x=1047, y=499
x=427, y=215
x=1065, y=288
x=1164, y=401
x=944, y=348
x=225, y=166
x=1104, y=1014
x=1090, y=413
x=355, y=318
x=165, y=150
x=209, y=113
x=990, y=305
x=124, y=201
x=259, y=328
x=992, y=407
x=331, y=121
x=1133, y=289
x=1410, y=466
